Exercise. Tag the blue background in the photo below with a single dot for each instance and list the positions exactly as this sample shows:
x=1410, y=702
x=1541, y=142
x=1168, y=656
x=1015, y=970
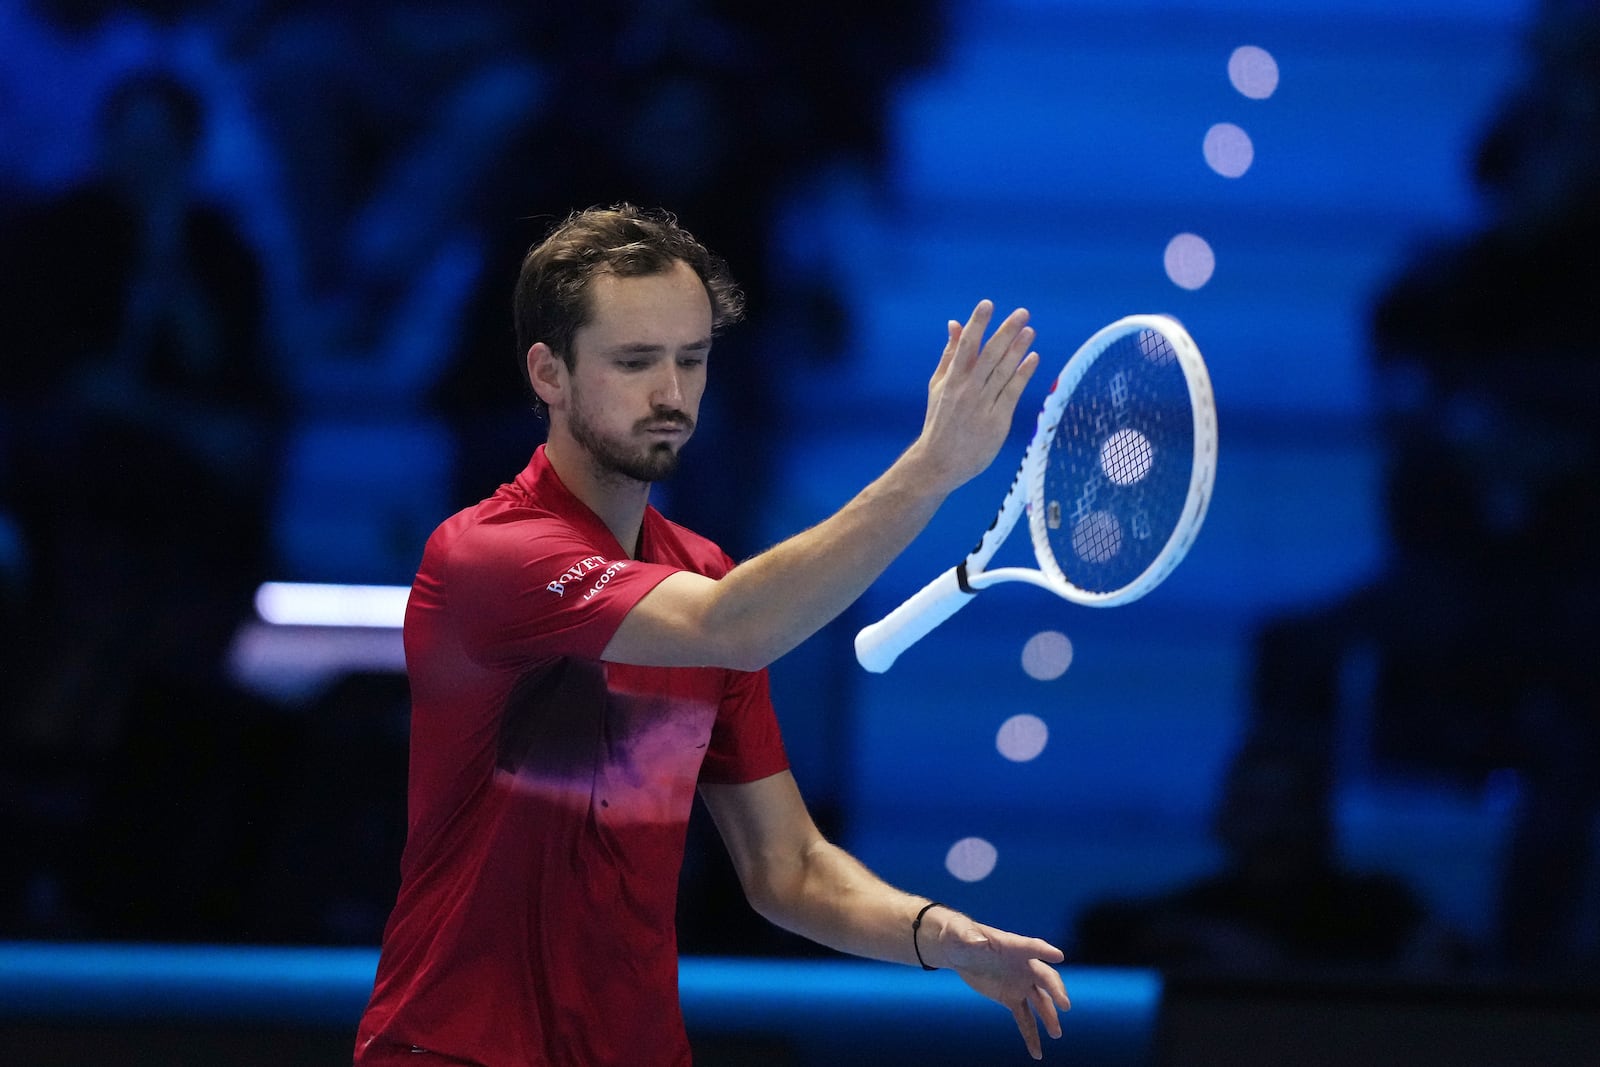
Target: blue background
x=902, y=165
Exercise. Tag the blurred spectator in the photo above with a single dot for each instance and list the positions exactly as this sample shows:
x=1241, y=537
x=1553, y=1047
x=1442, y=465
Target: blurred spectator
x=1479, y=630
x=402, y=137
x=60, y=60
x=142, y=410
x=1281, y=902
x=416, y=150
x=394, y=125
x=1504, y=381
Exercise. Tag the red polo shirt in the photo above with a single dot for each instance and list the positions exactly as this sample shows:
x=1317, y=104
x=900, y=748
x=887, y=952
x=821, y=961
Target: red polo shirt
x=549, y=793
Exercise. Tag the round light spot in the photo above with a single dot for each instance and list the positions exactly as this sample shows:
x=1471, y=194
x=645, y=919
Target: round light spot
x=1253, y=71
x=1022, y=738
x=1189, y=261
x=1228, y=150
x=1126, y=456
x=1097, y=537
x=971, y=859
x=1047, y=655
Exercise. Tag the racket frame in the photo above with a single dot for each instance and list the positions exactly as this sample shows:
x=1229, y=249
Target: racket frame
x=878, y=645
x=1202, y=470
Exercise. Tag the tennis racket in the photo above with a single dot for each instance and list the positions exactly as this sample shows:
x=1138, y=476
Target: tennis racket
x=1115, y=483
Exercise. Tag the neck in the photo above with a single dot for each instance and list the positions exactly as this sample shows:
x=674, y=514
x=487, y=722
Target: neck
x=619, y=501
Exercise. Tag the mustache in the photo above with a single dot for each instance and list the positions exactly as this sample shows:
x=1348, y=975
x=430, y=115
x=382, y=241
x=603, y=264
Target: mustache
x=665, y=417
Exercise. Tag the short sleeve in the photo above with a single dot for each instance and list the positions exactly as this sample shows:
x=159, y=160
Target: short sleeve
x=746, y=744
x=536, y=590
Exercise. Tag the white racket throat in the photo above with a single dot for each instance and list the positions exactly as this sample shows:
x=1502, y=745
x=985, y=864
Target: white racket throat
x=1125, y=428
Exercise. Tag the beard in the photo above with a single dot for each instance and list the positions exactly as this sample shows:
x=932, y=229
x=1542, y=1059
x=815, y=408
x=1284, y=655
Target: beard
x=628, y=459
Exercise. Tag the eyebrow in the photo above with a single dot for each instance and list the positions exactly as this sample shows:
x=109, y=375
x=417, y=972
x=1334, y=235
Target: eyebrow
x=644, y=348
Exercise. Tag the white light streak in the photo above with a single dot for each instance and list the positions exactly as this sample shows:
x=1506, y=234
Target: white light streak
x=317, y=604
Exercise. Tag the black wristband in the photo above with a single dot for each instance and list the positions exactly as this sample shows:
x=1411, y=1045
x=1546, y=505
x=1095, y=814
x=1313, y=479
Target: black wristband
x=916, y=924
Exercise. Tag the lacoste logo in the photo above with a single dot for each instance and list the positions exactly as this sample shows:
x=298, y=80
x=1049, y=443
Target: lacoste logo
x=605, y=578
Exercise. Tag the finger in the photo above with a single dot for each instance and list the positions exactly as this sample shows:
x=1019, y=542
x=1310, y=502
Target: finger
x=1042, y=949
x=953, y=328
x=1028, y=1029
x=1004, y=337
x=971, y=339
x=1048, y=980
x=1006, y=399
x=1006, y=363
x=1045, y=1008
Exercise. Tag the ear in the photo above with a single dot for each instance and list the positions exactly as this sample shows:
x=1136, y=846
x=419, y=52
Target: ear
x=548, y=374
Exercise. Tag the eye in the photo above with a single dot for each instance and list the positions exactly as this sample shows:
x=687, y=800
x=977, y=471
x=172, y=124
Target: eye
x=691, y=361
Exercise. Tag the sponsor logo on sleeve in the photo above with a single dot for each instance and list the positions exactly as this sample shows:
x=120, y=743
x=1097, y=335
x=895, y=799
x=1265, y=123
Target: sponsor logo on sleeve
x=583, y=571
x=605, y=578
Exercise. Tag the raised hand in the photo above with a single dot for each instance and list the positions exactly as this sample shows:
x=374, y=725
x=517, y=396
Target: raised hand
x=973, y=394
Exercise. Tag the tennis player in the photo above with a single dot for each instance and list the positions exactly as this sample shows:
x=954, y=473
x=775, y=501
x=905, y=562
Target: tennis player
x=580, y=665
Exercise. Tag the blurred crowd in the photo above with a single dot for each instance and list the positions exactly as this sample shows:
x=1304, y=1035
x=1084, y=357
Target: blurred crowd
x=254, y=309
x=254, y=302
x=1465, y=665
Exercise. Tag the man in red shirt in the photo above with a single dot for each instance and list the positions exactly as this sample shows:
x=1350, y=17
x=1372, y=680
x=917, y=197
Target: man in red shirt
x=580, y=665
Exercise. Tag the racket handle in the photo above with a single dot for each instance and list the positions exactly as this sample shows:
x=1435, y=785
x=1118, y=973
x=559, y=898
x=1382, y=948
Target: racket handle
x=879, y=645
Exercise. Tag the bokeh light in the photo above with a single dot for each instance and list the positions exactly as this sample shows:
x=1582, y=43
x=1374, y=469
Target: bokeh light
x=971, y=859
x=1253, y=71
x=1047, y=655
x=1189, y=261
x=1126, y=456
x=1097, y=537
x=1228, y=150
x=1022, y=737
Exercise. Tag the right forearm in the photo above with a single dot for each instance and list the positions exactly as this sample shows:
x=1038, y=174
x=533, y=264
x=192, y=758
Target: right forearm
x=774, y=601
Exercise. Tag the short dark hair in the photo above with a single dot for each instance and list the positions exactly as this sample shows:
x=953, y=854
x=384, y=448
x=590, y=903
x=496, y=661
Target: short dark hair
x=552, y=295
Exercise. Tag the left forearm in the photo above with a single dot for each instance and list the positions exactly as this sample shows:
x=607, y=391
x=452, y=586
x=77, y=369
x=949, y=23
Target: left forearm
x=831, y=898
x=799, y=881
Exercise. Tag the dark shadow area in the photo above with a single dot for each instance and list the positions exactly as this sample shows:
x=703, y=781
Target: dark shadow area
x=256, y=293
x=1466, y=663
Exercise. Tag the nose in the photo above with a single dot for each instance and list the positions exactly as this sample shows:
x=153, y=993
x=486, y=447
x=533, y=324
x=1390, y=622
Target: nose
x=669, y=388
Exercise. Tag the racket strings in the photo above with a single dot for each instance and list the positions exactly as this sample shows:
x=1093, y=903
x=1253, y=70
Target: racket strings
x=1117, y=478
x=1156, y=348
x=1127, y=456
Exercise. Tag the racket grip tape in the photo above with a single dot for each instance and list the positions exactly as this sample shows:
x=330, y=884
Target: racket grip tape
x=879, y=645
